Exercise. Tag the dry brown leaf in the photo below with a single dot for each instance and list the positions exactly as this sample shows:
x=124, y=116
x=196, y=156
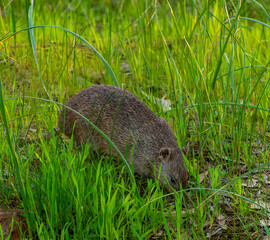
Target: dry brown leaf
x=157, y=235
x=33, y=130
x=207, y=225
x=222, y=221
x=263, y=204
x=203, y=175
x=265, y=176
x=265, y=223
x=165, y=104
x=12, y=221
x=250, y=183
x=227, y=209
x=217, y=232
x=183, y=212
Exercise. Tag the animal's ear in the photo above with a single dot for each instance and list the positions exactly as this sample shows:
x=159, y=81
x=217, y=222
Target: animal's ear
x=165, y=153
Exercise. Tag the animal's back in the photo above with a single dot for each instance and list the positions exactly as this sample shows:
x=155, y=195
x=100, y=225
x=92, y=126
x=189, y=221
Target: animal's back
x=118, y=113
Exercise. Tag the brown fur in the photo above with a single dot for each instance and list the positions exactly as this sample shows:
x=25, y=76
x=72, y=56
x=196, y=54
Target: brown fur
x=128, y=122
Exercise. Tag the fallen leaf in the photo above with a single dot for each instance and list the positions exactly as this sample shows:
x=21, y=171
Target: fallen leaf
x=262, y=204
x=203, y=175
x=33, y=130
x=165, y=104
x=207, y=225
x=227, y=209
x=13, y=222
x=250, y=183
x=222, y=221
x=265, y=223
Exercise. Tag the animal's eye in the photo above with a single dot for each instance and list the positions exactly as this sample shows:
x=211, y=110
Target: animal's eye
x=172, y=180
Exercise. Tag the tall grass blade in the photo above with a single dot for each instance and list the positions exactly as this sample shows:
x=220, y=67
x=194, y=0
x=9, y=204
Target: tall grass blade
x=256, y=21
x=263, y=8
x=77, y=36
x=33, y=44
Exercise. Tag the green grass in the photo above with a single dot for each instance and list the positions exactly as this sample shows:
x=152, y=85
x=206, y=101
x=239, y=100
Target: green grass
x=209, y=58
